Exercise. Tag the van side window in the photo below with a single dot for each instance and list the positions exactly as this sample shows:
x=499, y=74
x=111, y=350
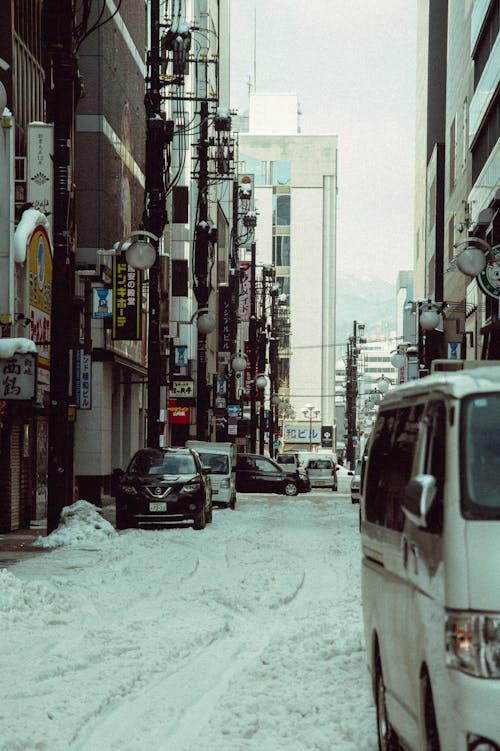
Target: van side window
x=435, y=459
x=390, y=465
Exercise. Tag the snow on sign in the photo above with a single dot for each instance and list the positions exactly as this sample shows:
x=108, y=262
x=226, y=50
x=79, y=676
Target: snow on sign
x=18, y=376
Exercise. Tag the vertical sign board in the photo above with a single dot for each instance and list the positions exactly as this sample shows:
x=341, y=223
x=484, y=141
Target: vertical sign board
x=40, y=167
x=18, y=376
x=127, y=293
x=83, y=379
x=224, y=319
x=245, y=291
x=40, y=297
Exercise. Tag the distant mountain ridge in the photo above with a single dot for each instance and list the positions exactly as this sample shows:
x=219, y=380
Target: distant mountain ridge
x=368, y=301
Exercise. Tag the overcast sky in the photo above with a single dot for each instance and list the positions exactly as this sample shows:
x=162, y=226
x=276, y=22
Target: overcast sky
x=352, y=65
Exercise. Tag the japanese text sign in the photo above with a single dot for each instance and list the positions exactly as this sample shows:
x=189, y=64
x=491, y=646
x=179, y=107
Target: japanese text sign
x=127, y=290
x=18, y=376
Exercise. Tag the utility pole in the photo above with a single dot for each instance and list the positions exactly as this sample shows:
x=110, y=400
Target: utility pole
x=154, y=219
x=234, y=290
x=61, y=73
x=262, y=360
x=252, y=339
x=201, y=274
x=351, y=396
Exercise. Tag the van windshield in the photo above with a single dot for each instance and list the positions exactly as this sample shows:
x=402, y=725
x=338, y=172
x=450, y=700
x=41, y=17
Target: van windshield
x=218, y=463
x=481, y=457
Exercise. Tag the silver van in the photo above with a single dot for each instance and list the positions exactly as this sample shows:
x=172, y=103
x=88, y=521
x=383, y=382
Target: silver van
x=219, y=458
x=430, y=538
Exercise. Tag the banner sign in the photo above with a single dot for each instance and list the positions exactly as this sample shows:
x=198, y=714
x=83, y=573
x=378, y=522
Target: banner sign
x=224, y=319
x=83, y=379
x=327, y=436
x=102, y=305
x=182, y=389
x=489, y=279
x=245, y=288
x=40, y=297
x=40, y=167
x=178, y=415
x=299, y=433
x=127, y=294
x=18, y=376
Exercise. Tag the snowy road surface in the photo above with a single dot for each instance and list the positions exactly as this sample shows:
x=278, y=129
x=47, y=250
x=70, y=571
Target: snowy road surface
x=246, y=636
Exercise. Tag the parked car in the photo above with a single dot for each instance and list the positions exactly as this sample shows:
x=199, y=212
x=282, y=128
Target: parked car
x=289, y=463
x=220, y=458
x=322, y=472
x=163, y=486
x=356, y=482
x=258, y=474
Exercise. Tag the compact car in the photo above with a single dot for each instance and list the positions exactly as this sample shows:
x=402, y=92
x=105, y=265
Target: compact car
x=322, y=472
x=163, y=486
x=259, y=474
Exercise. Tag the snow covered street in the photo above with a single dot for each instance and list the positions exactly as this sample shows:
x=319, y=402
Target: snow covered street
x=246, y=636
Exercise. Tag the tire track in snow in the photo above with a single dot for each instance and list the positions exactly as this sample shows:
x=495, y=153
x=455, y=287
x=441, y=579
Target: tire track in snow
x=161, y=715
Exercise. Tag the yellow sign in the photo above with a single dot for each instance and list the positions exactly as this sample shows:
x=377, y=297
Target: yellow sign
x=40, y=295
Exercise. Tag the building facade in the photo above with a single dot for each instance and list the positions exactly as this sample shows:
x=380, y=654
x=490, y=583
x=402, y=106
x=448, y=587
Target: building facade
x=295, y=178
x=458, y=171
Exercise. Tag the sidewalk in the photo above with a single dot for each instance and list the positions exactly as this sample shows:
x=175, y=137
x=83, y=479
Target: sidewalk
x=17, y=546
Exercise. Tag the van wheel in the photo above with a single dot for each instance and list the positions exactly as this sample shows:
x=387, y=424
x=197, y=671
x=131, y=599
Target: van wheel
x=431, y=729
x=232, y=503
x=387, y=738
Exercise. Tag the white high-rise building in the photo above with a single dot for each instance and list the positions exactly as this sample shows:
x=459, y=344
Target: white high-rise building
x=295, y=177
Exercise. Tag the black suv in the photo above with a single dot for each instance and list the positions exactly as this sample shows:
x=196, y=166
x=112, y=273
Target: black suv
x=163, y=486
x=258, y=474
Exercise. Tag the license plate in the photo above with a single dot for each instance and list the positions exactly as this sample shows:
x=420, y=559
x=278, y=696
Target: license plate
x=158, y=506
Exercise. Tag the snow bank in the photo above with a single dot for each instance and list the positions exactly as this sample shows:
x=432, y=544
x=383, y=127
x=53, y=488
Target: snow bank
x=11, y=345
x=80, y=523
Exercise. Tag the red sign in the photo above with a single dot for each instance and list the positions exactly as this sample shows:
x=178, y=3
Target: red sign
x=178, y=415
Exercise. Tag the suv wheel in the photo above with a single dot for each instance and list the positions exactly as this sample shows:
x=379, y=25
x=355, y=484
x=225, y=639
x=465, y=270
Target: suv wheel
x=199, y=521
x=290, y=489
x=122, y=520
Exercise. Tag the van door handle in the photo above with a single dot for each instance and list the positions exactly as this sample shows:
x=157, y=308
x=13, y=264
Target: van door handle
x=414, y=551
x=404, y=546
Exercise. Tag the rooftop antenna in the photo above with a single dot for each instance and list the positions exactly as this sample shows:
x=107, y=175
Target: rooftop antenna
x=255, y=49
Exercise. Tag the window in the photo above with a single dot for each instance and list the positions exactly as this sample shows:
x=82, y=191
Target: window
x=435, y=458
x=281, y=173
x=255, y=167
x=390, y=464
x=281, y=250
x=263, y=465
x=480, y=457
x=281, y=210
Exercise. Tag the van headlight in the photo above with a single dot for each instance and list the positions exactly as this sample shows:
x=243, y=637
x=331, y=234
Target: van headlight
x=224, y=483
x=473, y=643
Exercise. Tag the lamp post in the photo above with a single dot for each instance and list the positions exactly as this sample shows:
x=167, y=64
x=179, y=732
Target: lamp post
x=308, y=411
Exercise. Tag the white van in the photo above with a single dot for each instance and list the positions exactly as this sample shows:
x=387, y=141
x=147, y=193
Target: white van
x=219, y=457
x=430, y=535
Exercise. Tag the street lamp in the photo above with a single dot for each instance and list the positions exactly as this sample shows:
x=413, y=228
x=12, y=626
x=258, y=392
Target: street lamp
x=471, y=261
x=308, y=411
